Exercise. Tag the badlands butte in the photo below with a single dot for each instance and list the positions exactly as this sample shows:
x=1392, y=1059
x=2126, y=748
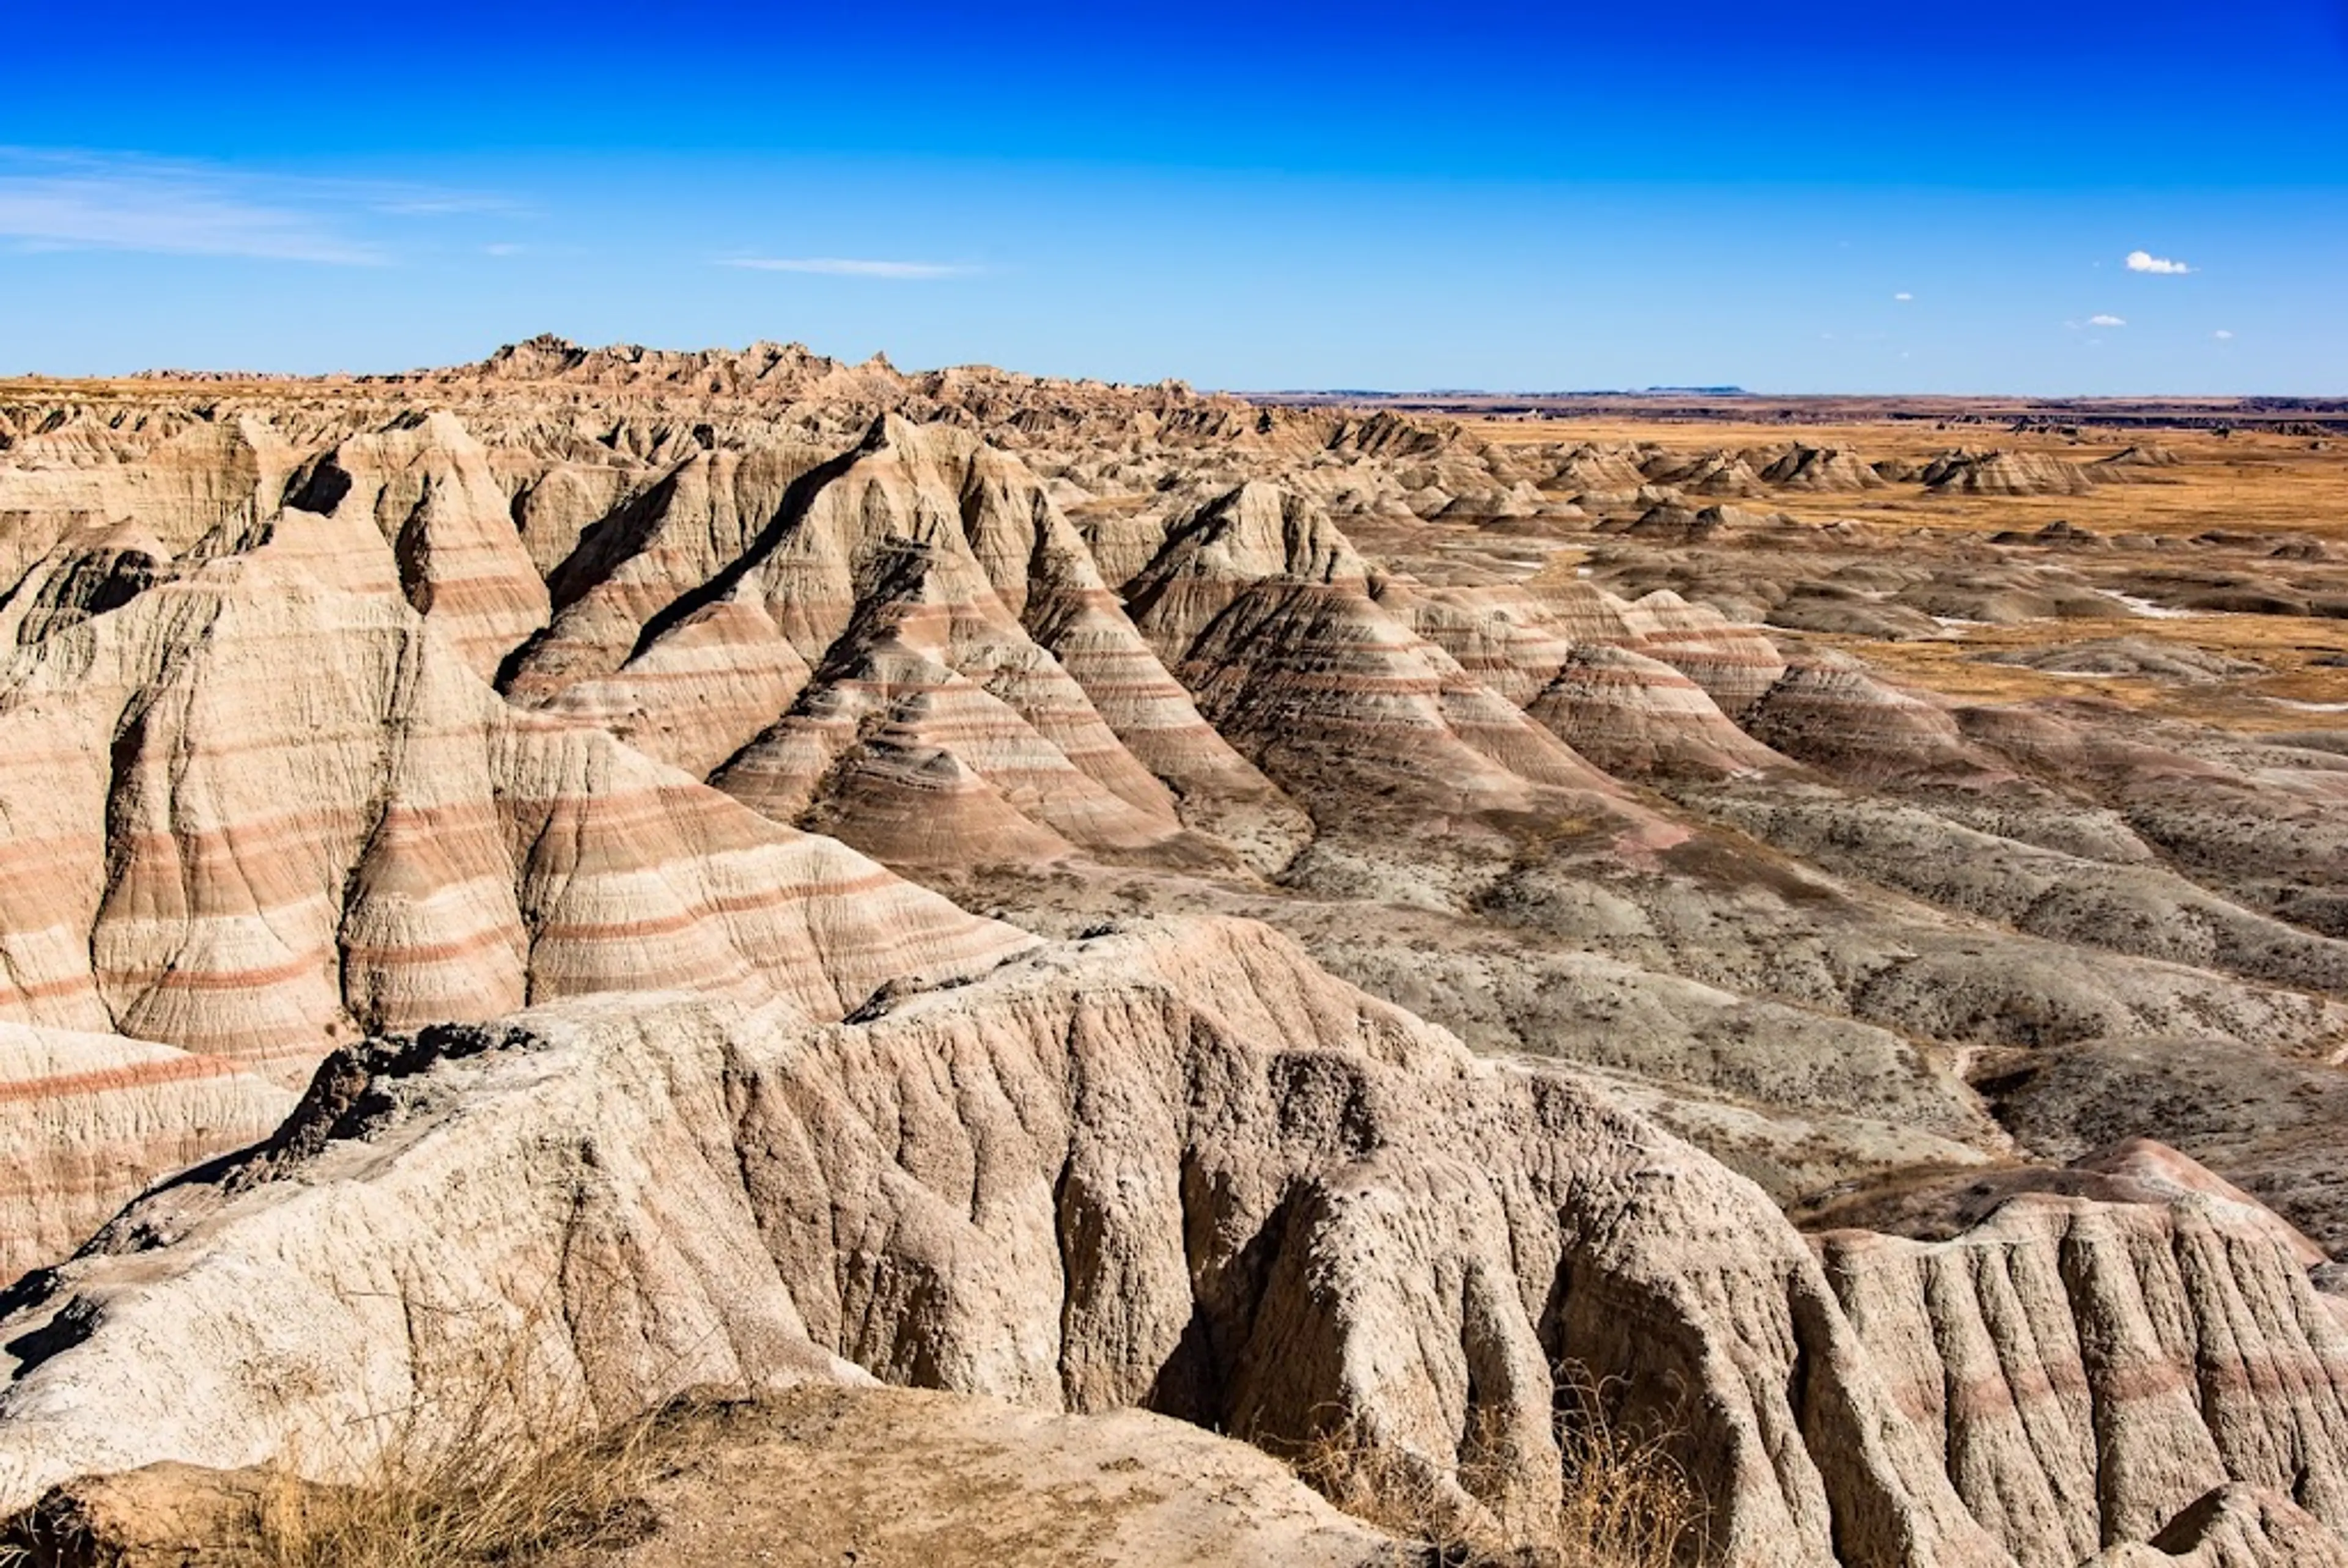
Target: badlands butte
x=1040, y=934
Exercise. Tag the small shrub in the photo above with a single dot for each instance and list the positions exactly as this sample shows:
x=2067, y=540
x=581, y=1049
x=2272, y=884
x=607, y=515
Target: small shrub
x=510, y=1466
x=469, y=1502
x=1626, y=1502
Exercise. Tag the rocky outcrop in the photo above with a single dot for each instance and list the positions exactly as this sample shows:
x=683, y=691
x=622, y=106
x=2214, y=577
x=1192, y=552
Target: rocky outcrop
x=2004, y=474
x=2092, y=1370
x=88, y=1120
x=424, y=484
x=821, y=1476
x=1024, y=1187
x=248, y=812
x=2234, y=1527
x=1634, y=715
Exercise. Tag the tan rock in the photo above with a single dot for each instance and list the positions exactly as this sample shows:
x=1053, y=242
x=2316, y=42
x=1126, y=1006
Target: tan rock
x=86, y=1121
x=1010, y=1188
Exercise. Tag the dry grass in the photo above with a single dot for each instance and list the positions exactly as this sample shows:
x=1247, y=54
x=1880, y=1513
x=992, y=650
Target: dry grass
x=467, y=1502
x=2255, y=486
x=1626, y=1502
x=2251, y=480
x=513, y=1473
x=512, y=1467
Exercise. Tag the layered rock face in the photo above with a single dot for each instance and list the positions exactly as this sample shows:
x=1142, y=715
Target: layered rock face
x=600, y=736
x=249, y=811
x=87, y=1119
x=1175, y=1167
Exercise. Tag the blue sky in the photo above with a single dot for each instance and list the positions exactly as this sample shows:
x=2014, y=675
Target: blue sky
x=1810, y=197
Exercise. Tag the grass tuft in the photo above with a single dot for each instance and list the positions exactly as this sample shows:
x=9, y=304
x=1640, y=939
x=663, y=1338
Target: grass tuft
x=1626, y=1501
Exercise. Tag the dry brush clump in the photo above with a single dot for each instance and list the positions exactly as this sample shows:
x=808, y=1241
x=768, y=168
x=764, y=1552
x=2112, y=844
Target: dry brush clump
x=513, y=1462
x=1625, y=1502
x=509, y=1463
x=473, y=1498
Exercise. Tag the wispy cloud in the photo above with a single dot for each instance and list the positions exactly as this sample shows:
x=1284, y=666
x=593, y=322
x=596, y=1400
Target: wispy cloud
x=405, y=201
x=137, y=213
x=2145, y=261
x=1903, y=297
x=849, y=267
x=2222, y=335
x=2106, y=321
x=53, y=200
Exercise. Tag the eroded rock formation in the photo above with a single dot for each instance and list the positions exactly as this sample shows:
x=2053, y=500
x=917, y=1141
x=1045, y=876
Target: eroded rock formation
x=533, y=723
x=1178, y=1168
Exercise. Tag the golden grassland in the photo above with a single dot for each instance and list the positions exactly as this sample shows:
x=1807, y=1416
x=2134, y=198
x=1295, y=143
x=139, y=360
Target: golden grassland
x=2249, y=481
x=2264, y=486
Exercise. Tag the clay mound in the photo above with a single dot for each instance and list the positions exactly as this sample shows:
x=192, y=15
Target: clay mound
x=1257, y=533
x=1324, y=687
x=1599, y=469
x=1827, y=710
x=2131, y=656
x=721, y=673
x=1735, y=664
x=88, y=1120
x=1012, y=1188
x=1708, y=473
x=2004, y=474
x=886, y=715
x=1509, y=638
x=2132, y=464
x=1817, y=468
x=676, y=533
x=1676, y=523
x=1636, y=717
x=2060, y=534
x=2255, y=597
x=424, y=484
x=2007, y=598
x=1072, y=612
x=915, y=526
x=1264, y=611
x=1836, y=610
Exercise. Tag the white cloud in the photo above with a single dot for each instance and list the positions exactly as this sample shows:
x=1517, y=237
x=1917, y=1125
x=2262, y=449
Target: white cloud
x=118, y=211
x=2106, y=321
x=1903, y=298
x=65, y=200
x=848, y=267
x=2145, y=261
x=2222, y=335
x=403, y=202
